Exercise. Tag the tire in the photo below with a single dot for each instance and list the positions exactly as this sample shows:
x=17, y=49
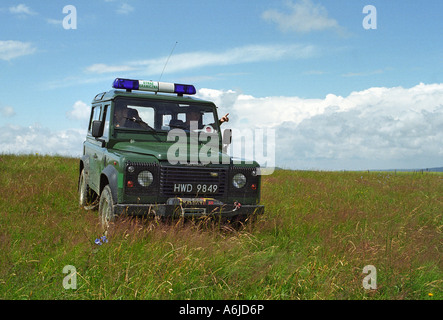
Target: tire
x=85, y=194
x=106, y=208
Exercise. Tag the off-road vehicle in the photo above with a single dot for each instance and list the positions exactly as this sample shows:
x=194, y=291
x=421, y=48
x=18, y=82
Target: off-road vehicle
x=152, y=149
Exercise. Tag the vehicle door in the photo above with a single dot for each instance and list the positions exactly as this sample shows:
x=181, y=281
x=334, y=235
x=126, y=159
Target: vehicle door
x=95, y=147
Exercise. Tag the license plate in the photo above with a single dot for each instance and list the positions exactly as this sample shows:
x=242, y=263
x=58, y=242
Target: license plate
x=197, y=188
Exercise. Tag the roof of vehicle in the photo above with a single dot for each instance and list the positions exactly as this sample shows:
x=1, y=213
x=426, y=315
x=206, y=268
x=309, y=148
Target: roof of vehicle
x=110, y=95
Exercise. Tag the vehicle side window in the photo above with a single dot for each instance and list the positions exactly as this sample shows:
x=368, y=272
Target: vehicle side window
x=107, y=117
x=95, y=115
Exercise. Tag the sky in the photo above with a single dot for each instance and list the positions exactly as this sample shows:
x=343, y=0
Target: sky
x=336, y=84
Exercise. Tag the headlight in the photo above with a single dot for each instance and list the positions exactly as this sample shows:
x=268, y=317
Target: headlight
x=145, y=178
x=239, y=180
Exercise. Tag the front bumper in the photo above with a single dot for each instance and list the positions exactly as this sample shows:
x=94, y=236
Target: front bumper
x=190, y=207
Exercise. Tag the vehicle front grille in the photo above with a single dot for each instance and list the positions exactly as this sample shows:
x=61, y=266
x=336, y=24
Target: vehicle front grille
x=175, y=181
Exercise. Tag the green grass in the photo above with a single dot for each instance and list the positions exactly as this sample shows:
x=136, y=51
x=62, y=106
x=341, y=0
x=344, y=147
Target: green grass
x=319, y=230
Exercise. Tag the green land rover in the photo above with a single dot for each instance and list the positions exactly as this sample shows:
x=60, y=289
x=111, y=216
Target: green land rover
x=153, y=150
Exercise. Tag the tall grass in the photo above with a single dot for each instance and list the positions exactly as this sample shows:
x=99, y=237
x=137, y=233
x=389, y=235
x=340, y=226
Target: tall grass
x=319, y=230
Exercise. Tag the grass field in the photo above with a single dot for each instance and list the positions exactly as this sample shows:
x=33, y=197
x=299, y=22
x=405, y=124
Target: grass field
x=319, y=231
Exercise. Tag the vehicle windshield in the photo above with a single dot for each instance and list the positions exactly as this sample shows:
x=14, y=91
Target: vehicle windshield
x=163, y=116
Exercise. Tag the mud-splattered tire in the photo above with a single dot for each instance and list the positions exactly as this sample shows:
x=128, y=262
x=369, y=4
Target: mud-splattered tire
x=106, y=208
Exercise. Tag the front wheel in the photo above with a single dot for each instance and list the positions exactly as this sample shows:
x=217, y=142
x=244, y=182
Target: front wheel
x=106, y=208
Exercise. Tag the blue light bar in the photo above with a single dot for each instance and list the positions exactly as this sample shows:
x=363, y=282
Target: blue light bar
x=154, y=86
x=184, y=89
x=126, y=84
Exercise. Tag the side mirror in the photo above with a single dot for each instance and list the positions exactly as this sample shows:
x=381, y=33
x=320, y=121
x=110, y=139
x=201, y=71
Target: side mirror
x=97, y=130
x=227, y=136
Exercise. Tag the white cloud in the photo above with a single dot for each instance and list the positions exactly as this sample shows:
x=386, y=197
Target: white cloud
x=363, y=74
x=54, y=22
x=7, y=112
x=21, y=9
x=377, y=128
x=101, y=68
x=11, y=49
x=268, y=111
x=79, y=111
x=245, y=54
x=193, y=60
x=35, y=139
x=125, y=8
x=304, y=16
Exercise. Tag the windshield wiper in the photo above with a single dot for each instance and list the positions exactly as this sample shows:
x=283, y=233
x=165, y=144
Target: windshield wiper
x=144, y=125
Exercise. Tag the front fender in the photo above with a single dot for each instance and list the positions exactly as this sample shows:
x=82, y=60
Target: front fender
x=84, y=164
x=110, y=176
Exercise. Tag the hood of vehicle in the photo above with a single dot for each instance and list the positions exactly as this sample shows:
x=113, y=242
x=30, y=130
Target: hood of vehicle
x=160, y=150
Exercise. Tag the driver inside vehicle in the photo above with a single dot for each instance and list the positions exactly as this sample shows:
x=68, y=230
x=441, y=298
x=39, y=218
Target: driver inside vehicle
x=125, y=117
x=120, y=116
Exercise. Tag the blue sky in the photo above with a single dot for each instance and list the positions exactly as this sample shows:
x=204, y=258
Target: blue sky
x=304, y=68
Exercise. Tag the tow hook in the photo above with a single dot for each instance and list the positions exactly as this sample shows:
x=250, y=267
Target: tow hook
x=237, y=206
